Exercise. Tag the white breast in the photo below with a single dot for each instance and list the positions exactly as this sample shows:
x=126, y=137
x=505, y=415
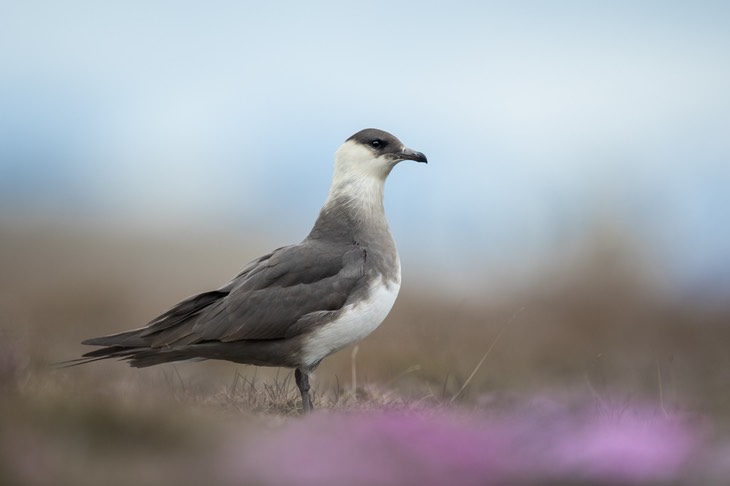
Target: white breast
x=357, y=321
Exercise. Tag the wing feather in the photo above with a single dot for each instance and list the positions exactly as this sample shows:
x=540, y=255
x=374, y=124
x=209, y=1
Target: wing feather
x=267, y=299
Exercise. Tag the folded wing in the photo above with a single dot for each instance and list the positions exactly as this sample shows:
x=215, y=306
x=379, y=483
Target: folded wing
x=274, y=297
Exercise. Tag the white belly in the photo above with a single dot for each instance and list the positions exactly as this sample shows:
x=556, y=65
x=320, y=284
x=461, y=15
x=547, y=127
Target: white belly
x=357, y=321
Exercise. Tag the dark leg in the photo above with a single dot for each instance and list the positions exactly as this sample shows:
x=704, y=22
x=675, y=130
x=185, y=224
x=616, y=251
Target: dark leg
x=302, y=380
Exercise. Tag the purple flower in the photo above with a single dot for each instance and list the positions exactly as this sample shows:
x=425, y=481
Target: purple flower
x=435, y=447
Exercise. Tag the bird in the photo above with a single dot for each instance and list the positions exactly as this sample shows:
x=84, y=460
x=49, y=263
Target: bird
x=300, y=303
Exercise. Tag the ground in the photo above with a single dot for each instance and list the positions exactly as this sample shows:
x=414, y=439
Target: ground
x=570, y=377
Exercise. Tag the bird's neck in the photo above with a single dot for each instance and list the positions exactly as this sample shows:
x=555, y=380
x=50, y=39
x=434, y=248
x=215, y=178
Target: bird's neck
x=354, y=205
x=360, y=197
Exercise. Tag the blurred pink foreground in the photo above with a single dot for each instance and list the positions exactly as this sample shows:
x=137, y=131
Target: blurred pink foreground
x=542, y=444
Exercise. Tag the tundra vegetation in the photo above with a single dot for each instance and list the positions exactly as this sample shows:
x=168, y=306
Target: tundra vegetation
x=590, y=374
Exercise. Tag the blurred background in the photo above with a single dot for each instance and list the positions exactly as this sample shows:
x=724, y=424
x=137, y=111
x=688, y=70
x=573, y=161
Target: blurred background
x=571, y=225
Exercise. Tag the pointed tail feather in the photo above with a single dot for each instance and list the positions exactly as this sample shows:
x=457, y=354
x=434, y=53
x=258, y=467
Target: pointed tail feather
x=136, y=357
x=126, y=339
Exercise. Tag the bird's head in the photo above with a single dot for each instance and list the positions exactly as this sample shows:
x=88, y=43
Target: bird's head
x=372, y=153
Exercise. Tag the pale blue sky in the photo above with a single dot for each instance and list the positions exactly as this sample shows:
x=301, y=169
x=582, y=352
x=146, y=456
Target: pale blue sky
x=540, y=119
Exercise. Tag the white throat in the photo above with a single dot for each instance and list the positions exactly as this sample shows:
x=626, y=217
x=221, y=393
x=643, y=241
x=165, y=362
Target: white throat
x=359, y=180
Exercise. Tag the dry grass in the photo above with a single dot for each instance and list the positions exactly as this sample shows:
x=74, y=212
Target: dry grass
x=590, y=332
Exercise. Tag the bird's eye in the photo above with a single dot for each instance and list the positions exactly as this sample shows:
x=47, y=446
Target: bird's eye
x=377, y=143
